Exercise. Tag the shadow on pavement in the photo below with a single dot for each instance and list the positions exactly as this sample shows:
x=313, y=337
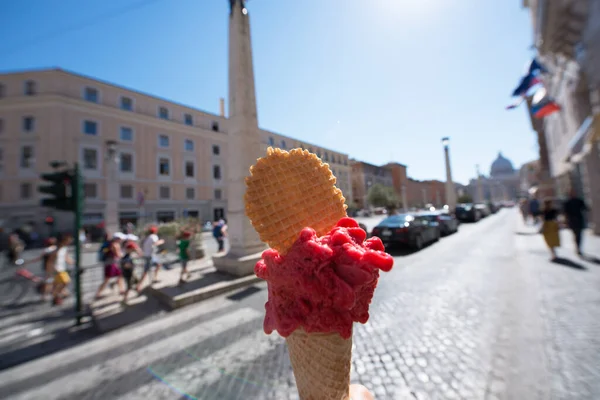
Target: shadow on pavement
x=28, y=347
x=249, y=291
x=569, y=263
x=400, y=251
x=591, y=259
x=527, y=233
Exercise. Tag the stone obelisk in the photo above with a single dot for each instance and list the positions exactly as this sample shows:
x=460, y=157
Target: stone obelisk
x=244, y=146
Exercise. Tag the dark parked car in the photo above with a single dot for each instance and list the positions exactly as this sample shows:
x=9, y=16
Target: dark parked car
x=448, y=224
x=468, y=213
x=407, y=230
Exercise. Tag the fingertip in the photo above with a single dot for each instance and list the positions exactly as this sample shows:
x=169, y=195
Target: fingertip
x=359, y=392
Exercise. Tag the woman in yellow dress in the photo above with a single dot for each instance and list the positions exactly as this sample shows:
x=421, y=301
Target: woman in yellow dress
x=550, y=228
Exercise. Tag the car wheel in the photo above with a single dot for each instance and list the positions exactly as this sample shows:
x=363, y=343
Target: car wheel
x=437, y=236
x=418, y=242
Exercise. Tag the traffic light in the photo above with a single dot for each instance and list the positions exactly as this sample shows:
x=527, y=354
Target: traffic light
x=60, y=190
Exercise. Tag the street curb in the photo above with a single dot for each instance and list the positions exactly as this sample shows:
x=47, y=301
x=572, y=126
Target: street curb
x=195, y=296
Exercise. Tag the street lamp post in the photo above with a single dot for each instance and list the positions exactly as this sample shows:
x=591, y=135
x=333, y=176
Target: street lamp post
x=479, y=186
x=450, y=192
x=111, y=213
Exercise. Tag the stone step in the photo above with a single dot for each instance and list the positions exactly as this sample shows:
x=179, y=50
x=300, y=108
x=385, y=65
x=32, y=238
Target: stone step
x=108, y=312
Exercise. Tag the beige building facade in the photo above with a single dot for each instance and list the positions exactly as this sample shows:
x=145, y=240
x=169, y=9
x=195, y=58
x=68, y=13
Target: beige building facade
x=172, y=158
x=567, y=37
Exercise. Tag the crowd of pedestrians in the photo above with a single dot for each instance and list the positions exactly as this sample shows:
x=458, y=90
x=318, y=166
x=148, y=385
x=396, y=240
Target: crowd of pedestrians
x=548, y=217
x=119, y=253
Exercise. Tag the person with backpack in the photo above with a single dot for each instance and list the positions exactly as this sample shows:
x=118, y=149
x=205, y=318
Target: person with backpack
x=132, y=251
x=150, y=251
x=111, y=256
x=219, y=233
x=184, y=255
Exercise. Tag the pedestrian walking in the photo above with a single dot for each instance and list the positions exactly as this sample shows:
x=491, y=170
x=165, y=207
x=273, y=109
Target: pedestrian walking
x=47, y=258
x=61, y=276
x=575, y=209
x=534, y=210
x=128, y=267
x=15, y=248
x=524, y=210
x=184, y=255
x=219, y=233
x=111, y=256
x=550, y=228
x=150, y=251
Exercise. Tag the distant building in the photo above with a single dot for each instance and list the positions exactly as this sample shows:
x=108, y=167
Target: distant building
x=529, y=177
x=364, y=176
x=171, y=156
x=502, y=184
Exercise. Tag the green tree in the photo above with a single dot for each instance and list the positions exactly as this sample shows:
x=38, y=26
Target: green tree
x=382, y=196
x=465, y=198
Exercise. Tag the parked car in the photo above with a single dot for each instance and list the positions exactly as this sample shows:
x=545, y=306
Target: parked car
x=484, y=209
x=448, y=223
x=467, y=212
x=414, y=231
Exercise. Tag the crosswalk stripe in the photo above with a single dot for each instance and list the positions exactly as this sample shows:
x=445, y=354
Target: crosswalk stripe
x=110, y=340
x=113, y=369
x=195, y=378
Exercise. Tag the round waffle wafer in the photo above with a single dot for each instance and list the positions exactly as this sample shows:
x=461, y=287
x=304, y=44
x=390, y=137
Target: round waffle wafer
x=289, y=191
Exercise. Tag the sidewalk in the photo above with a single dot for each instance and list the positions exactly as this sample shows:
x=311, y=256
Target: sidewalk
x=559, y=302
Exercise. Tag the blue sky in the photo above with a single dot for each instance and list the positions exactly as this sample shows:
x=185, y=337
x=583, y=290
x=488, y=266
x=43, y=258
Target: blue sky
x=379, y=79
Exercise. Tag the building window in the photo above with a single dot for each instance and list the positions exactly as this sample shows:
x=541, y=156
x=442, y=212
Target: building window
x=126, y=103
x=216, y=150
x=1, y=159
x=1, y=125
x=319, y=153
x=271, y=141
x=26, y=156
x=163, y=141
x=218, y=194
x=189, y=169
x=283, y=144
x=188, y=145
x=163, y=166
x=326, y=158
x=215, y=126
x=163, y=113
x=90, y=94
x=164, y=192
x=345, y=161
x=126, y=192
x=28, y=124
x=126, y=134
x=126, y=162
x=2, y=90
x=30, y=88
x=190, y=193
x=216, y=172
x=90, y=190
x=188, y=119
x=90, y=128
x=90, y=159
x=25, y=191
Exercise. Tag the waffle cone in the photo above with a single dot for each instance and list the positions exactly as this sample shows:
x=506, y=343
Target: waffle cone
x=289, y=191
x=321, y=363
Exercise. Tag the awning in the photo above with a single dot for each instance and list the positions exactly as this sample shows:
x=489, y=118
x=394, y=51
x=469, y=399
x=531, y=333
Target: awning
x=579, y=145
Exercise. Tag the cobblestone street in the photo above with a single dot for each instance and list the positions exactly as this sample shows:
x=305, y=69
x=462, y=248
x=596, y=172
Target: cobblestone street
x=482, y=314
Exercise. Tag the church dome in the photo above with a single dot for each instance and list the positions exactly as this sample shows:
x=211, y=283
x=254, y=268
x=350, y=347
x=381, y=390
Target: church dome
x=502, y=166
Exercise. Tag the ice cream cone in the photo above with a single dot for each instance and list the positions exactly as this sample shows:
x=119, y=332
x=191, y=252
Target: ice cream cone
x=286, y=193
x=321, y=364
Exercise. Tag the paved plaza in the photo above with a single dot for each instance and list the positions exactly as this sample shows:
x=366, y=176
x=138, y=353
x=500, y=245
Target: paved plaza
x=482, y=314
